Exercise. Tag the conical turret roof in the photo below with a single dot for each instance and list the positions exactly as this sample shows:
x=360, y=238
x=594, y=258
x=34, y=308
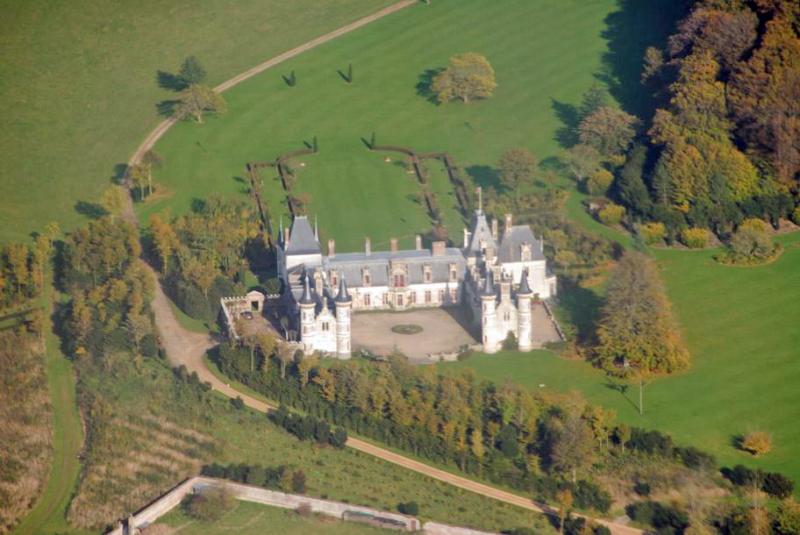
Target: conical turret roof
x=306, y=298
x=524, y=287
x=344, y=296
x=488, y=287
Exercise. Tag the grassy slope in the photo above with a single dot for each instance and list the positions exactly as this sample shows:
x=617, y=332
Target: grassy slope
x=78, y=83
x=252, y=519
x=546, y=58
x=47, y=516
x=740, y=325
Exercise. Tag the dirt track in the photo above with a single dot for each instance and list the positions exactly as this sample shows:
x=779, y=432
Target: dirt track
x=188, y=348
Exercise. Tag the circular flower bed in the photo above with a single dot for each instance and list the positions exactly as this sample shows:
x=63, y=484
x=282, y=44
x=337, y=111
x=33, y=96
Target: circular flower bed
x=407, y=328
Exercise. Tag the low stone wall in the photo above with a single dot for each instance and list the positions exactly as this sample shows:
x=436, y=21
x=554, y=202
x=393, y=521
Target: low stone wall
x=249, y=493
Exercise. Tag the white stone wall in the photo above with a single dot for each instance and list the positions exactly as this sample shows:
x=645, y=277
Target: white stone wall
x=377, y=293
x=537, y=275
x=173, y=498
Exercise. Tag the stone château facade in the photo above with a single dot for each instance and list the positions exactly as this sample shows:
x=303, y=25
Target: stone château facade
x=495, y=275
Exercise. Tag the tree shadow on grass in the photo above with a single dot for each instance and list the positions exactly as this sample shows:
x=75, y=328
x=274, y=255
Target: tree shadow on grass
x=424, y=87
x=90, y=209
x=622, y=388
x=171, y=82
x=166, y=108
x=567, y=135
x=582, y=307
x=118, y=174
x=630, y=29
x=484, y=176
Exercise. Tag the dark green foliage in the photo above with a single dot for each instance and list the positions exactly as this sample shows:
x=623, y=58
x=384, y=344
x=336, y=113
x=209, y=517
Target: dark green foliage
x=667, y=519
x=777, y=485
x=641, y=488
x=507, y=441
x=630, y=186
x=191, y=71
x=237, y=403
x=209, y=505
x=308, y=427
x=695, y=458
x=408, y=508
x=510, y=343
x=741, y=476
x=587, y=495
x=299, y=482
x=651, y=442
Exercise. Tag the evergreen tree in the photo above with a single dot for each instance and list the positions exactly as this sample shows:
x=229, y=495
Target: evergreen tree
x=191, y=72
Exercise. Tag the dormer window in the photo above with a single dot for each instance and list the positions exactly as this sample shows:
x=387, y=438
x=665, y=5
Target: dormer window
x=525, y=252
x=334, y=279
x=366, y=277
x=427, y=274
x=453, y=273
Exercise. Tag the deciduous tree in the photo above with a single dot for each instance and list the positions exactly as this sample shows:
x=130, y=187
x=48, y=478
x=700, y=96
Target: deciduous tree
x=517, y=168
x=467, y=77
x=197, y=100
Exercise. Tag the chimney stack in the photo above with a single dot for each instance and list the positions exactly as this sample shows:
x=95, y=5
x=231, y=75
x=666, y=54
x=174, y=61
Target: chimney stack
x=466, y=238
x=368, y=246
x=285, y=237
x=393, y=245
x=508, y=222
x=418, y=241
x=494, y=229
x=331, y=248
x=438, y=248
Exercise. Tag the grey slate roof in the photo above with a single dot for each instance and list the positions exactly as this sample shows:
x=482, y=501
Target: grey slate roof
x=480, y=233
x=301, y=238
x=510, y=244
x=351, y=265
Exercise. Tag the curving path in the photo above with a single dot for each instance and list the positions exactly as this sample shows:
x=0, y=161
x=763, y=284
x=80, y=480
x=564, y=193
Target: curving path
x=188, y=348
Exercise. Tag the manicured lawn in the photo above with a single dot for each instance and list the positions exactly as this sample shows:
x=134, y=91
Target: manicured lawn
x=79, y=90
x=551, y=51
x=741, y=327
x=255, y=519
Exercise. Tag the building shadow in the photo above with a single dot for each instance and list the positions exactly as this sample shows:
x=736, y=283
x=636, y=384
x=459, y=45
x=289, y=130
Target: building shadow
x=630, y=29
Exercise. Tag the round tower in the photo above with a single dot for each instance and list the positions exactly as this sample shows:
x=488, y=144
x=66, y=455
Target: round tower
x=488, y=315
x=524, y=296
x=343, y=305
x=307, y=317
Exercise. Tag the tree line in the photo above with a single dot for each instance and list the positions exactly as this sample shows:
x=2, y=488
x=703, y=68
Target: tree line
x=724, y=142
x=202, y=255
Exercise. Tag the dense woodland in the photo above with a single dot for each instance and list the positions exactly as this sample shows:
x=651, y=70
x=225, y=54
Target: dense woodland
x=724, y=142
x=203, y=255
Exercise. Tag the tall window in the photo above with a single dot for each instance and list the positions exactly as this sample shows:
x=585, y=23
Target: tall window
x=400, y=300
x=412, y=298
x=427, y=296
x=453, y=273
x=367, y=278
x=386, y=299
x=399, y=280
x=426, y=273
x=367, y=300
x=441, y=296
x=325, y=326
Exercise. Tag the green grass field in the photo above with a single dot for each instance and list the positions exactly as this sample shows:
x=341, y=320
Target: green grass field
x=79, y=92
x=740, y=326
x=551, y=51
x=254, y=519
x=47, y=516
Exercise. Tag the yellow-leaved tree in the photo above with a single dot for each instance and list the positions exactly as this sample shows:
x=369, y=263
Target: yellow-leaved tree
x=467, y=77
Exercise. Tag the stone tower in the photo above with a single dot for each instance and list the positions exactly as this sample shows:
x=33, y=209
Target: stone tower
x=524, y=295
x=488, y=315
x=307, y=313
x=343, y=304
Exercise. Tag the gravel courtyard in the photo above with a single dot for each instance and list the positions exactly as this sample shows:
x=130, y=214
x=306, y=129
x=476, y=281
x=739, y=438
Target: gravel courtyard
x=443, y=331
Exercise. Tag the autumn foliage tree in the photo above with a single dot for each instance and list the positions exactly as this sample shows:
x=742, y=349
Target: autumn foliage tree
x=467, y=77
x=637, y=329
x=198, y=100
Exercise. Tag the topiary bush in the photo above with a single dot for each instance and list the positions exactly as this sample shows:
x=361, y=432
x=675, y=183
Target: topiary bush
x=599, y=182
